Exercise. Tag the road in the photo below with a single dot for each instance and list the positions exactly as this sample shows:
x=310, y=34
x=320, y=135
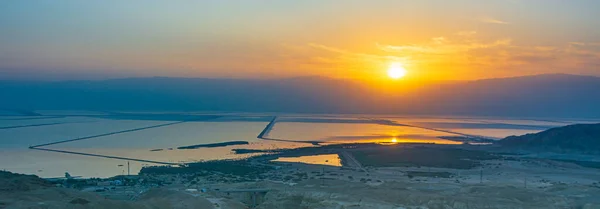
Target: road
x=352, y=162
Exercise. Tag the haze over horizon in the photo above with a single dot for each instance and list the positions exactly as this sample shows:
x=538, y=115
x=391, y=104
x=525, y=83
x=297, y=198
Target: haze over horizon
x=356, y=40
x=556, y=95
x=278, y=104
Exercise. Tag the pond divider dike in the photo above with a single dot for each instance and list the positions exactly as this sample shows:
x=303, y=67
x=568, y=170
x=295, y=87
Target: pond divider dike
x=104, y=156
x=107, y=134
x=39, y=146
x=32, y=125
x=270, y=126
x=267, y=128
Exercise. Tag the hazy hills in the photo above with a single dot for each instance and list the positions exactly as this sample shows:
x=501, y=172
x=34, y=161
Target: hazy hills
x=555, y=95
x=580, y=138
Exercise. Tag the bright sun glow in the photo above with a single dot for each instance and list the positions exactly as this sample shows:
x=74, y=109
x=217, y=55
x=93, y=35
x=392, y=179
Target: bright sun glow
x=394, y=140
x=396, y=71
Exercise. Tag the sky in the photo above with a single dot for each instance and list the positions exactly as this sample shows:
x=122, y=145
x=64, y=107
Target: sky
x=350, y=39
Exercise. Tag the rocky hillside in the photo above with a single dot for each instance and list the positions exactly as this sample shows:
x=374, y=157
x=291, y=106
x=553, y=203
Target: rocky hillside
x=11, y=182
x=28, y=191
x=573, y=138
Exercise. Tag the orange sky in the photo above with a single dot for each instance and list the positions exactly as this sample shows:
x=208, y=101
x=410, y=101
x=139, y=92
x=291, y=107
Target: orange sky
x=433, y=39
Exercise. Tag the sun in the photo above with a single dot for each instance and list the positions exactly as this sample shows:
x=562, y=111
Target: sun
x=396, y=71
x=394, y=140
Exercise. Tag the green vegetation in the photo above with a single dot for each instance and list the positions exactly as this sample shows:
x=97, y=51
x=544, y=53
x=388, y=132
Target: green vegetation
x=233, y=167
x=222, y=144
x=79, y=201
x=587, y=164
x=251, y=151
x=399, y=156
x=10, y=182
x=412, y=174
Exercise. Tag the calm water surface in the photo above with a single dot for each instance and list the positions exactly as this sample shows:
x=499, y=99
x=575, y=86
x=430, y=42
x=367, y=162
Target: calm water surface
x=16, y=157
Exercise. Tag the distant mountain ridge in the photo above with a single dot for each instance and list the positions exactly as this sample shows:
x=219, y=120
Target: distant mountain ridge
x=571, y=138
x=553, y=95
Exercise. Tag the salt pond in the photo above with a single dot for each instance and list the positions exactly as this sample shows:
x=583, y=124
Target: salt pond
x=160, y=143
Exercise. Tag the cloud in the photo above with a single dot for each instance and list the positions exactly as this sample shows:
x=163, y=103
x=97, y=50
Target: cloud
x=444, y=46
x=465, y=50
x=493, y=21
x=574, y=43
x=439, y=40
x=577, y=43
x=330, y=60
x=466, y=33
x=533, y=58
x=353, y=55
x=462, y=53
x=408, y=48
